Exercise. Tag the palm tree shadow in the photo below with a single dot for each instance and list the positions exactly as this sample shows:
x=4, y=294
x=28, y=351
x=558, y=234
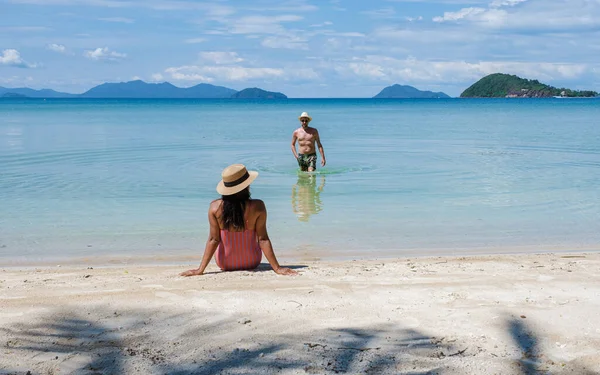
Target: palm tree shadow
x=526, y=339
x=527, y=342
x=237, y=360
x=67, y=342
x=61, y=338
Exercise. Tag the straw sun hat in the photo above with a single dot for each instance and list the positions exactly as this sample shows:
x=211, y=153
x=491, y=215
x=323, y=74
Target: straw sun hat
x=235, y=178
x=305, y=114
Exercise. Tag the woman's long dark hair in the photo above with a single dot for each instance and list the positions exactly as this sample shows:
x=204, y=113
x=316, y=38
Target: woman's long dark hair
x=233, y=210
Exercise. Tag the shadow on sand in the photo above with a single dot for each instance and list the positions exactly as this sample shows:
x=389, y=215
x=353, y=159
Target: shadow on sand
x=105, y=341
x=108, y=342
x=263, y=267
x=533, y=361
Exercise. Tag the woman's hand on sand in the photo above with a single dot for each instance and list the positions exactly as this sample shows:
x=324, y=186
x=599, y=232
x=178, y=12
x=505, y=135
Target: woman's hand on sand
x=194, y=272
x=285, y=271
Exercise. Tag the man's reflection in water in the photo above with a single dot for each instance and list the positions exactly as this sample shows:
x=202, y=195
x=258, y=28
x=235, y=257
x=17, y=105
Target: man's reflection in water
x=306, y=199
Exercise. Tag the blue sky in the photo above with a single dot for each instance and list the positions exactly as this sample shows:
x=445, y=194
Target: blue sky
x=303, y=48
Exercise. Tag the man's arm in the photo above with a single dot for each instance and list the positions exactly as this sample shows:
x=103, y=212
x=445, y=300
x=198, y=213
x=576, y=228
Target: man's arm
x=265, y=242
x=320, y=146
x=294, y=139
x=214, y=238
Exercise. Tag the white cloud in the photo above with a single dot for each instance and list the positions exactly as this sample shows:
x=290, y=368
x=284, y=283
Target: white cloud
x=291, y=42
x=413, y=70
x=501, y=3
x=216, y=10
x=347, y=34
x=106, y=3
x=12, y=57
x=453, y=2
x=179, y=75
x=336, y=5
x=10, y=80
x=539, y=16
x=338, y=45
x=206, y=73
x=152, y=4
x=463, y=13
x=380, y=13
x=227, y=73
x=217, y=57
x=362, y=69
x=225, y=66
x=104, y=54
x=260, y=24
x=57, y=48
x=24, y=28
x=195, y=40
x=326, y=23
x=117, y=19
x=284, y=6
x=157, y=77
x=425, y=36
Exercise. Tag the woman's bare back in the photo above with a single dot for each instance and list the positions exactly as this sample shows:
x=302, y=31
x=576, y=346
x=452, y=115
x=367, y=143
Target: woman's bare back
x=253, y=210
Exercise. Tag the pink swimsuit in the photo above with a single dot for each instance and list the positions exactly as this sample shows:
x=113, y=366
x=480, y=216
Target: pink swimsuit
x=238, y=251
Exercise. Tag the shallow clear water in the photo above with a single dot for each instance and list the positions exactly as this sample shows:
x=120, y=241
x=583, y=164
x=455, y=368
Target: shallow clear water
x=133, y=178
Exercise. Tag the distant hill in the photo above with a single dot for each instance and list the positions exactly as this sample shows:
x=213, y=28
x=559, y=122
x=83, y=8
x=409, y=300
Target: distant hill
x=256, y=93
x=499, y=85
x=142, y=90
x=31, y=93
x=408, y=92
x=12, y=95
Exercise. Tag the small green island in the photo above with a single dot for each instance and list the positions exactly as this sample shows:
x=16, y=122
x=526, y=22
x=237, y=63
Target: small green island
x=408, y=92
x=499, y=85
x=256, y=93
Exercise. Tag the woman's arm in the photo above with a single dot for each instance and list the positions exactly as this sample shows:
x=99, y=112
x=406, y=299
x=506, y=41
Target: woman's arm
x=265, y=242
x=214, y=238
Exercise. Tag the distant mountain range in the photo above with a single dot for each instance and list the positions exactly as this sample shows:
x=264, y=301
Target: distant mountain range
x=143, y=90
x=408, y=92
x=31, y=93
x=497, y=85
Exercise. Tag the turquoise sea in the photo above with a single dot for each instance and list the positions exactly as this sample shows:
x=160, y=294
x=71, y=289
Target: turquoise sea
x=130, y=180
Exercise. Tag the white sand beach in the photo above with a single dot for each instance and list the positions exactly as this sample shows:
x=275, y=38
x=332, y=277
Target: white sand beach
x=504, y=314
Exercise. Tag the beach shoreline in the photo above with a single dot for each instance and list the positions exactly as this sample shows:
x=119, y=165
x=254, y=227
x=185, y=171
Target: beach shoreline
x=299, y=254
x=503, y=314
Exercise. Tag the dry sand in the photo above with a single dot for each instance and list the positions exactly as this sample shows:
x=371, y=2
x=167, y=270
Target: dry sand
x=509, y=314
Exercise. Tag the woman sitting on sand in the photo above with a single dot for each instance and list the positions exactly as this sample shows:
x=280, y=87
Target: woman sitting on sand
x=238, y=227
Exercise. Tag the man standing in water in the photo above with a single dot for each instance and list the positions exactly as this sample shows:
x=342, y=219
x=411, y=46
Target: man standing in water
x=306, y=137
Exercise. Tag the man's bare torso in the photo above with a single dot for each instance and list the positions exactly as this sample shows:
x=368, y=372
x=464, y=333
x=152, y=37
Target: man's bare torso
x=306, y=140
